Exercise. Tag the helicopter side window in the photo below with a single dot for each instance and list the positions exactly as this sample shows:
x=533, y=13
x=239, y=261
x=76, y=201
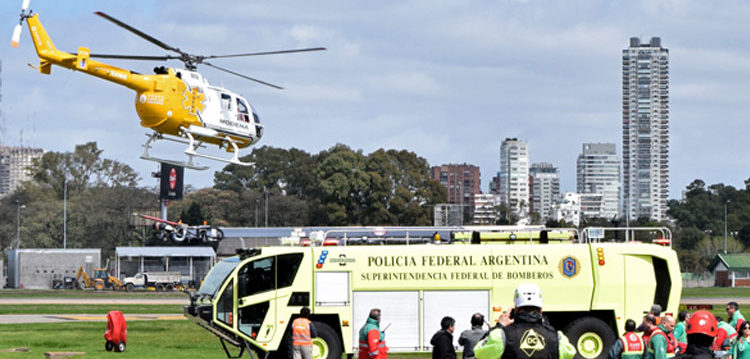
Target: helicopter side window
x=242, y=109
x=226, y=101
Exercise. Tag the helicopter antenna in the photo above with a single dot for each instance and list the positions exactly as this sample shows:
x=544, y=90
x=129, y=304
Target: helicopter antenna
x=191, y=61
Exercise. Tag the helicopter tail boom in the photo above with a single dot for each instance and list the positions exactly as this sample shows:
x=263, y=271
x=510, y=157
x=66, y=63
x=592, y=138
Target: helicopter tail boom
x=49, y=55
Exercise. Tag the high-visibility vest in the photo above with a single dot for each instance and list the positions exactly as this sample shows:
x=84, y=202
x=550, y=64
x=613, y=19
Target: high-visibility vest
x=632, y=346
x=301, y=332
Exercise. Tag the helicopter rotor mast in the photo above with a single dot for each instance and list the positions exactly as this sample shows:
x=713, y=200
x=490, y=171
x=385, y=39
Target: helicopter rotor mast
x=191, y=61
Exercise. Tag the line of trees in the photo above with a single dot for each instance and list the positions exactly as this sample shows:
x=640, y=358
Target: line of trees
x=337, y=187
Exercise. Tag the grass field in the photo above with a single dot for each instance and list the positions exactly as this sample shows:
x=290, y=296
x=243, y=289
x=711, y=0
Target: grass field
x=146, y=339
x=163, y=340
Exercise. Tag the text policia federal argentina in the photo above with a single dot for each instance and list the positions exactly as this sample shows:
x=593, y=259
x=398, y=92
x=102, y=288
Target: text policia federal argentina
x=458, y=261
x=514, y=266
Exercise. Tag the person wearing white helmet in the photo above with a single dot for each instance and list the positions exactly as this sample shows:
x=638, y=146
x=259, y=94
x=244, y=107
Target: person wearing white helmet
x=524, y=333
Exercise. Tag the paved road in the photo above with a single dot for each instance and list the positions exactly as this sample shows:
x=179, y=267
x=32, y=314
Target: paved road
x=37, y=318
x=146, y=301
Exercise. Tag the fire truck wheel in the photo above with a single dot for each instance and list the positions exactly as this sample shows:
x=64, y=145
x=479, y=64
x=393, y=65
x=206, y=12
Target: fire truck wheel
x=109, y=346
x=591, y=336
x=327, y=345
x=120, y=347
x=130, y=287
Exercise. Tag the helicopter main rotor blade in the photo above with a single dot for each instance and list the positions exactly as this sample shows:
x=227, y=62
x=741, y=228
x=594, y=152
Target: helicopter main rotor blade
x=267, y=53
x=139, y=33
x=243, y=76
x=134, y=57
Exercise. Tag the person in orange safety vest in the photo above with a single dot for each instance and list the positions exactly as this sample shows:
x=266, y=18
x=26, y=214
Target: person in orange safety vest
x=303, y=331
x=371, y=339
x=629, y=346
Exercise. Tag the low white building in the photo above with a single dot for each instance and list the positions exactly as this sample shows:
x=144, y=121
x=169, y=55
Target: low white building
x=569, y=208
x=484, y=209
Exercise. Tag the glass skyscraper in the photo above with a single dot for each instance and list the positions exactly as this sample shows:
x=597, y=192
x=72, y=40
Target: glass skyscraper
x=645, y=129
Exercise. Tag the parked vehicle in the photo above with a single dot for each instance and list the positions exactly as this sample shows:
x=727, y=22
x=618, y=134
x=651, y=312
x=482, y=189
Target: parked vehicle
x=159, y=281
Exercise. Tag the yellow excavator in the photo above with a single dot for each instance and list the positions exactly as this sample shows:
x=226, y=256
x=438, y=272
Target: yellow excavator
x=102, y=279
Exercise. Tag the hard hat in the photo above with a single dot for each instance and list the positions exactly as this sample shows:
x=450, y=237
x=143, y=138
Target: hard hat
x=528, y=294
x=702, y=322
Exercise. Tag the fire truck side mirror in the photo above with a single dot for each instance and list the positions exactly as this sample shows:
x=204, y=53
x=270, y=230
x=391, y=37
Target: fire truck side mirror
x=475, y=238
x=543, y=237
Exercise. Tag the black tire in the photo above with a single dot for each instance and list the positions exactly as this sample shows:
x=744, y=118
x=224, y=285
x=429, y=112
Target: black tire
x=328, y=335
x=130, y=287
x=159, y=287
x=591, y=337
x=286, y=347
x=109, y=346
x=170, y=288
x=120, y=347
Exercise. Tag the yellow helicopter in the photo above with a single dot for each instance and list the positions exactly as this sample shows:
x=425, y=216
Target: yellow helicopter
x=177, y=104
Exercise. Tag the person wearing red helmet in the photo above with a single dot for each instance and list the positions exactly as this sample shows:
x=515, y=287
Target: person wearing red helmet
x=701, y=331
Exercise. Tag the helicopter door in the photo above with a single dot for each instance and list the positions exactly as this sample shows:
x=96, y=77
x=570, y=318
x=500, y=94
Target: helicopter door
x=226, y=106
x=256, y=299
x=242, y=113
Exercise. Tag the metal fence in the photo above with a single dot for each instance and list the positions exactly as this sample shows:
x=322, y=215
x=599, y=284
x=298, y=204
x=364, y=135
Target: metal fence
x=694, y=280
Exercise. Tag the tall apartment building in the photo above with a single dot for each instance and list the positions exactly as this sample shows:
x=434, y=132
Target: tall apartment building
x=14, y=163
x=645, y=129
x=514, y=176
x=544, y=182
x=598, y=172
x=462, y=182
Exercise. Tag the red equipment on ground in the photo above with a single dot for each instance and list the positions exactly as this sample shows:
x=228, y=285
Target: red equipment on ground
x=117, y=332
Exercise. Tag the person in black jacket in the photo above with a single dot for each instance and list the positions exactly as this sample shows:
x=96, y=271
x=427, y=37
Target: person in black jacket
x=442, y=341
x=701, y=331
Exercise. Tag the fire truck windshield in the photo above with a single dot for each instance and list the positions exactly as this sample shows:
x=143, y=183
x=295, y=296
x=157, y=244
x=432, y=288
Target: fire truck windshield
x=217, y=275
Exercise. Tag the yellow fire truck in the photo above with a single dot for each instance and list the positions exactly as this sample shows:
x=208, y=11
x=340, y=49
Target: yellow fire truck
x=590, y=287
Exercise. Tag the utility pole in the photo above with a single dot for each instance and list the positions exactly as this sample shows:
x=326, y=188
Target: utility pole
x=725, y=226
x=18, y=223
x=266, y=193
x=257, y=203
x=65, y=212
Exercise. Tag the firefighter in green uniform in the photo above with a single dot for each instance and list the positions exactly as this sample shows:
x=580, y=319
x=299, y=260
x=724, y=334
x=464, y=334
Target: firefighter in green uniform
x=661, y=344
x=527, y=335
x=735, y=317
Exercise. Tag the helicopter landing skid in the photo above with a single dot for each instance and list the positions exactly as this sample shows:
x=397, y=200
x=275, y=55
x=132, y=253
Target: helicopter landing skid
x=187, y=164
x=192, y=146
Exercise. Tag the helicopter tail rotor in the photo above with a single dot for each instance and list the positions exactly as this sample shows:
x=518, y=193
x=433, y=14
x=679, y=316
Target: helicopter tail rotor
x=15, y=38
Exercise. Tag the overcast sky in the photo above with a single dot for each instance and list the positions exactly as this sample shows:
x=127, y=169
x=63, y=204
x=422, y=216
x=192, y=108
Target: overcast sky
x=448, y=80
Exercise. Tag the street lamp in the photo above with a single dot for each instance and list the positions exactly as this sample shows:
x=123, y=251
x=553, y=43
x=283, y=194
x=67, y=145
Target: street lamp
x=18, y=223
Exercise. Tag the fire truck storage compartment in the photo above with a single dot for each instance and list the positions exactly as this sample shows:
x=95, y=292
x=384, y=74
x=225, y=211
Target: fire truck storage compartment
x=332, y=288
x=399, y=309
x=460, y=305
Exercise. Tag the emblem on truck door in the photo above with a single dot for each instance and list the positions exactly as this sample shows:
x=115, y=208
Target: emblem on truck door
x=570, y=266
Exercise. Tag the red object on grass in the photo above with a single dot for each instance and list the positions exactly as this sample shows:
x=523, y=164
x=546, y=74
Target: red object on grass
x=117, y=332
